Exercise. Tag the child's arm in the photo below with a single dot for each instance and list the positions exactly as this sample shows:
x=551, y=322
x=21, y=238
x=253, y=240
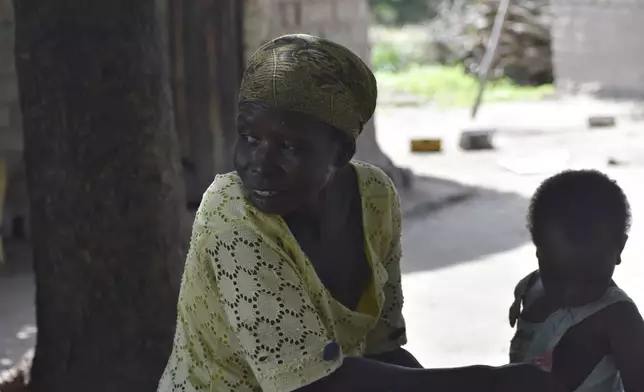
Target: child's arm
x=626, y=340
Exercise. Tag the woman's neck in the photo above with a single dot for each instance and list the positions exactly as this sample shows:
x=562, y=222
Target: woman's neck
x=316, y=212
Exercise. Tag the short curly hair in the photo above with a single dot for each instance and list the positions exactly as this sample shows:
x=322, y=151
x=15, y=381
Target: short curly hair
x=579, y=201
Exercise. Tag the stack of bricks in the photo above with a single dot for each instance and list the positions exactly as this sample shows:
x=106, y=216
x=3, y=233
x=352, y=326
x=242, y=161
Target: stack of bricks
x=343, y=21
x=598, y=47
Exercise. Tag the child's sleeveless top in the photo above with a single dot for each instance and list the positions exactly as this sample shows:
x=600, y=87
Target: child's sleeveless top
x=535, y=342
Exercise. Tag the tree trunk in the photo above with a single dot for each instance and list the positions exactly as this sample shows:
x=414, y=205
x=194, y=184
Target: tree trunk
x=207, y=57
x=105, y=192
x=368, y=150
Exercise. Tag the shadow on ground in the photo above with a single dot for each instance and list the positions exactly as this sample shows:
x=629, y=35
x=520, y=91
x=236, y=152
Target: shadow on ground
x=485, y=222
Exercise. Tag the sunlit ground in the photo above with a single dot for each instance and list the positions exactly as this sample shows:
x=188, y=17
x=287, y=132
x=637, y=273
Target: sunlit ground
x=461, y=264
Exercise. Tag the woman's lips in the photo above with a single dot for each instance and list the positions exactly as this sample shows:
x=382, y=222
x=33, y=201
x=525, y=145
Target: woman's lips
x=262, y=193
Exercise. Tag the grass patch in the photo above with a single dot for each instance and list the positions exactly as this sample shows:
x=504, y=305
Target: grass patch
x=451, y=86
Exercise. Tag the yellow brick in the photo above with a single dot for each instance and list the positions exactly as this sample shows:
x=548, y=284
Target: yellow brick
x=426, y=145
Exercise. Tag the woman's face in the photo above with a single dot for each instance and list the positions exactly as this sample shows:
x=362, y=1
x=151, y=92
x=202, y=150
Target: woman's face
x=284, y=159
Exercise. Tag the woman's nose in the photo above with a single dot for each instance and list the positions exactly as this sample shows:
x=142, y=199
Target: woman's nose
x=264, y=159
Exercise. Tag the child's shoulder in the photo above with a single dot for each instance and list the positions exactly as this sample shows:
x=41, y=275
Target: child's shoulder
x=615, y=311
x=618, y=310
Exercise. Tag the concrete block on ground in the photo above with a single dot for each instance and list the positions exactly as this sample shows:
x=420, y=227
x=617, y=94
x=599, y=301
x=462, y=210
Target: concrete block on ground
x=601, y=121
x=477, y=139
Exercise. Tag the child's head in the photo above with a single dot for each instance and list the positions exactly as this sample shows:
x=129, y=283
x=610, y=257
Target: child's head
x=579, y=221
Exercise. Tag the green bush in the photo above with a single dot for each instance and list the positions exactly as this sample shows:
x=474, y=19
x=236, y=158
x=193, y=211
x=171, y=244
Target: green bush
x=451, y=86
x=385, y=57
x=400, y=12
x=399, y=49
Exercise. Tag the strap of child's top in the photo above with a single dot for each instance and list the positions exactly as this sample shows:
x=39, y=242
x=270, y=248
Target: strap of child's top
x=520, y=292
x=564, y=319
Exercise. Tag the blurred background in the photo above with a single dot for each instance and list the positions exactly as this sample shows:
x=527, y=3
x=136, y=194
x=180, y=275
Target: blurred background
x=564, y=91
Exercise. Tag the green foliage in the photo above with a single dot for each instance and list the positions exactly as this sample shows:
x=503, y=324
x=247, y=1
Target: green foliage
x=399, y=12
x=396, y=49
x=385, y=57
x=451, y=86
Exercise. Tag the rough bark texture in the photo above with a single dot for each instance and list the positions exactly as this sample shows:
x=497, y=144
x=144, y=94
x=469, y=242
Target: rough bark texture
x=207, y=55
x=105, y=192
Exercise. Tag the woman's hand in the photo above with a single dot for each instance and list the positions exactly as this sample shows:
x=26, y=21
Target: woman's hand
x=524, y=378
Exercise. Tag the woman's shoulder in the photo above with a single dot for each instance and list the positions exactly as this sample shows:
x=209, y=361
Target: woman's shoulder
x=373, y=181
x=224, y=197
x=224, y=206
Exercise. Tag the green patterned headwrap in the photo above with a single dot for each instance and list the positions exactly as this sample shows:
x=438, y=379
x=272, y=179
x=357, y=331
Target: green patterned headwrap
x=314, y=76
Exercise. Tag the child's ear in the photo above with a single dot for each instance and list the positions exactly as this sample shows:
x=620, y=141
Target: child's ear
x=621, y=249
x=624, y=241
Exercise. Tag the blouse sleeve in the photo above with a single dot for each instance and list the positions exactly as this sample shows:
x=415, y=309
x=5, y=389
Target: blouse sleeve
x=248, y=287
x=389, y=333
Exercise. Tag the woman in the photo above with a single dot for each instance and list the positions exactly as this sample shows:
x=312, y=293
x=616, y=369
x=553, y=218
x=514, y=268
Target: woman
x=292, y=282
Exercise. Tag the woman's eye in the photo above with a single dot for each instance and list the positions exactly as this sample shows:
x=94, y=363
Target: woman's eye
x=248, y=139
x=288, y=146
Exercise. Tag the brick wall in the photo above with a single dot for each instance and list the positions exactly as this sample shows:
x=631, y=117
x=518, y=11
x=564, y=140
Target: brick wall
x=598, y=47
x=343, y=21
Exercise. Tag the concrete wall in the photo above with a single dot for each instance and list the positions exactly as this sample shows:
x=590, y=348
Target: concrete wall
x=598, y=47
x=344, y=21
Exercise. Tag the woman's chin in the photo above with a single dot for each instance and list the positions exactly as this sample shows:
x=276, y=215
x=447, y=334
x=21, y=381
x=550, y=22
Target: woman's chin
x=274, y=205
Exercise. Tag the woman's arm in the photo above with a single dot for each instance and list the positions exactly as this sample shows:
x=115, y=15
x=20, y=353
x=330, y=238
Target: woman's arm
x=363, y=374
x=384, y=342
x=399, y=356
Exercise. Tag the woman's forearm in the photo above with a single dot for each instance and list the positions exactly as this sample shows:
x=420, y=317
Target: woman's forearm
x=362, y=374
x=400, y=357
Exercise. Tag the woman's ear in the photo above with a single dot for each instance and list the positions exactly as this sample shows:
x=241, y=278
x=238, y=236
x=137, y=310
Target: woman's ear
x=346, y=152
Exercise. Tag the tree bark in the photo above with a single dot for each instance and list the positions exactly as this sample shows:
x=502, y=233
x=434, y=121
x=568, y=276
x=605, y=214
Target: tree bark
x=105, y=191
x=207, y=56
x=369, y=150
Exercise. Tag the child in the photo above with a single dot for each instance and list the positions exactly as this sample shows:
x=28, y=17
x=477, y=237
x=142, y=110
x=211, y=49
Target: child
x=571, y=317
